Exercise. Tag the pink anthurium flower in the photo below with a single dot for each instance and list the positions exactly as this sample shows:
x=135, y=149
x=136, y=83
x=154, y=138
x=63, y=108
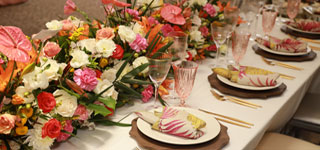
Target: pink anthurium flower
x=116, y=3
x=172, y=14
x=69, y=7
x=14, y=44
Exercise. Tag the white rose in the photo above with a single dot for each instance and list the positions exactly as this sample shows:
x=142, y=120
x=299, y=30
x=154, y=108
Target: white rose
x=25, y=93
x=66, y=103
x=35, y=79
x=137, y=28
x=199, y=2
x=126, y=34
x=89, y=44
x=196, y=19
x=102, y=85
x=75, y=21
x=54, y=25
x=52, y=71
x=195, y=35
x=106, y=47
x=139, y=61
x=109, y=74
x=79, y=58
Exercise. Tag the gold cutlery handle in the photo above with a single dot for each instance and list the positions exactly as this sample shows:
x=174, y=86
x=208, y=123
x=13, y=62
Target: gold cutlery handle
x=230, y=118
x=286, y=76
x=231, y=122
x=243, y=101
x=309, y=40
x=288, y=66
x=314, y=48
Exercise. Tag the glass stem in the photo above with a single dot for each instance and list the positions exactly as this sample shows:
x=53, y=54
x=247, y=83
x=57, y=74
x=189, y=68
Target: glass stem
x=155, y=95
x=182, y=101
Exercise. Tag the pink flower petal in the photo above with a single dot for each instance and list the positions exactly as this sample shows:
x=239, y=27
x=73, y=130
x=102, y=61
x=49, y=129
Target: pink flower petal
x=116, y=3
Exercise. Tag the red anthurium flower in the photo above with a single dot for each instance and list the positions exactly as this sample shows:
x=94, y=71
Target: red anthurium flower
x=116, y=3
x=172, y=14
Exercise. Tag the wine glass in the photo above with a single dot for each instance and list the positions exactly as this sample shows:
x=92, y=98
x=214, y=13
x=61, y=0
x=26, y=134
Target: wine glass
x=269, y=15
x=240, y=40
x=159, y=65
x=180, y=44
x=184, y=76
x=293, y=8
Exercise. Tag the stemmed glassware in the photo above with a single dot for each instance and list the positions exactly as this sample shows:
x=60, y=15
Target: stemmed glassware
x=240, y=40
x=184, y=76
x=293, y=8
x=180, y=44
x=159, y=65
x=269, y=15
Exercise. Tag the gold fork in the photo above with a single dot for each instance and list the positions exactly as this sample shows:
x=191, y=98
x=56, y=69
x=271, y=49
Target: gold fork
x=273, y=63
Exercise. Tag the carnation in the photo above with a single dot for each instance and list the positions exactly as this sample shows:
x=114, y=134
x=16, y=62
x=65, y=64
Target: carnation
x=106, y=47
x=126, y=34
x=196, y=19
x=204, y=31
x=147, y=93
x=139, y=43
x=210, y=10
x=67, y=127
x=133, y=13
x=54, y=25
x=82, y=112
x=79, y=58
x=35, y=79
x=140, y=61
x=138, y=29
x=85, y=78
x=67, y=104
x=109, y=74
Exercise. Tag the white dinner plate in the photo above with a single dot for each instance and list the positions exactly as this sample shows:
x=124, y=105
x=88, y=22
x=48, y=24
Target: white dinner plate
x=211, y=130
x=247, y=87
x=283, y=53
x=301, y=31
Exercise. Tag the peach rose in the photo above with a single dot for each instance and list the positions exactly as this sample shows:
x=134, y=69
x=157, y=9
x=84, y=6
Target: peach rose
x=6, y=123
x=51, y=49
x=105, y=33
x=67, y=25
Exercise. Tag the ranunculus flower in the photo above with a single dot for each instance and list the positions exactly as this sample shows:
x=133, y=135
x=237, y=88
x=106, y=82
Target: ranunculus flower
x=118, y=52
x=6, y=123
x=210, y=10
x=67, y=127
x=69, y=7
x=204, y=31
x=85, y=78
x=51, y=129
x=116, y=3
x=51, y=49
x=105, y=47
x=172, y=14
x=166, y=29
x=67, y=103
x=147, y=93
x=82, y=112
x=105, y=33
x=67, y=25
x=152, y=21
x=133, y=13
x=139, y=43
x=46, y=101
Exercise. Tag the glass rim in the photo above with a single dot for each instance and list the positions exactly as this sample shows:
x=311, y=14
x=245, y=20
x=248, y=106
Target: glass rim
x=190, y=68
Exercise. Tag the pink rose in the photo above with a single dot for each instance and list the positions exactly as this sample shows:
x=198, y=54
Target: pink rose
x=204, y=31
x=166, y=29
x=67, y=25
x=210, y=10
x=147, y=93
x=105, y=33
x=139, y=43
x=133, y=13
x=82, y=112
x=51, y=49
x=69, y=7
x=67, y=127
x=85, y=78
x=153, y=21
x=6, y=123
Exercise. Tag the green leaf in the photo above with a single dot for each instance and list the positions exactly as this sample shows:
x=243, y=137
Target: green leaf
x=64, y=131
x=108, y=101
x=162, y=49
x=135, y=71
x=163, y=103
x=143, y=13
x=105, y=90
x=147, y=35
x=123, y=66
x=28, y=69
x=127, y=89
x=152, y=43
x=98, y=109
x=155, y=43
x=135, y=81
x=106, y=122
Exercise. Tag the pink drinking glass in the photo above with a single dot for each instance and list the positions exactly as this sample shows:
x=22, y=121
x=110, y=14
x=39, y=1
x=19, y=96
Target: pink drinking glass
x=293, y=8
x=269, y=15
x=184, y=76
x=240, y=41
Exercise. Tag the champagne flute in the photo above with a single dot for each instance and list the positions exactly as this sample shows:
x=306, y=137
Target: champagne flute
x=184, y=76
x=269, y=15
x=230, y=17
x=293, y=8
x=240, y=40
x=159, y=65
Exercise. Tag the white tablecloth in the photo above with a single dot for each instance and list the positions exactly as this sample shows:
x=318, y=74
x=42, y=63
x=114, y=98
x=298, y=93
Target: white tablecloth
x=273, y=116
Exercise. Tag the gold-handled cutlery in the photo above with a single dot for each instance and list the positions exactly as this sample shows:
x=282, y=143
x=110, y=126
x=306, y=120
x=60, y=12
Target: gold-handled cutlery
x=284, y=76
x=314, y=48
x=310, y=40
x=230, y=120
x=221, y=97
x=273, y=63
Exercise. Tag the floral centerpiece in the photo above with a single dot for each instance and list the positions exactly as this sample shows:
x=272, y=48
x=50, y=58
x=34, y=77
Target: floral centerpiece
x=73, y=74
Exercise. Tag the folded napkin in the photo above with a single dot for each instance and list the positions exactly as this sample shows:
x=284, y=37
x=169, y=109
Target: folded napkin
x=246, y=75
x=174, y=122
x=305, y=25
x=287, y=45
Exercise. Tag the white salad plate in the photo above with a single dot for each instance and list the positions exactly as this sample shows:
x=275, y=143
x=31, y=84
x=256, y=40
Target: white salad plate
x=283, y=53
x=301, y=31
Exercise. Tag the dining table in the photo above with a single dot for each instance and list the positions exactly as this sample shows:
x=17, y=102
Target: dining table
x=272, y=116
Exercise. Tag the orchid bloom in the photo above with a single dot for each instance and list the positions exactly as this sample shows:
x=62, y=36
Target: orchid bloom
x=116, y=3
x=172, y=14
